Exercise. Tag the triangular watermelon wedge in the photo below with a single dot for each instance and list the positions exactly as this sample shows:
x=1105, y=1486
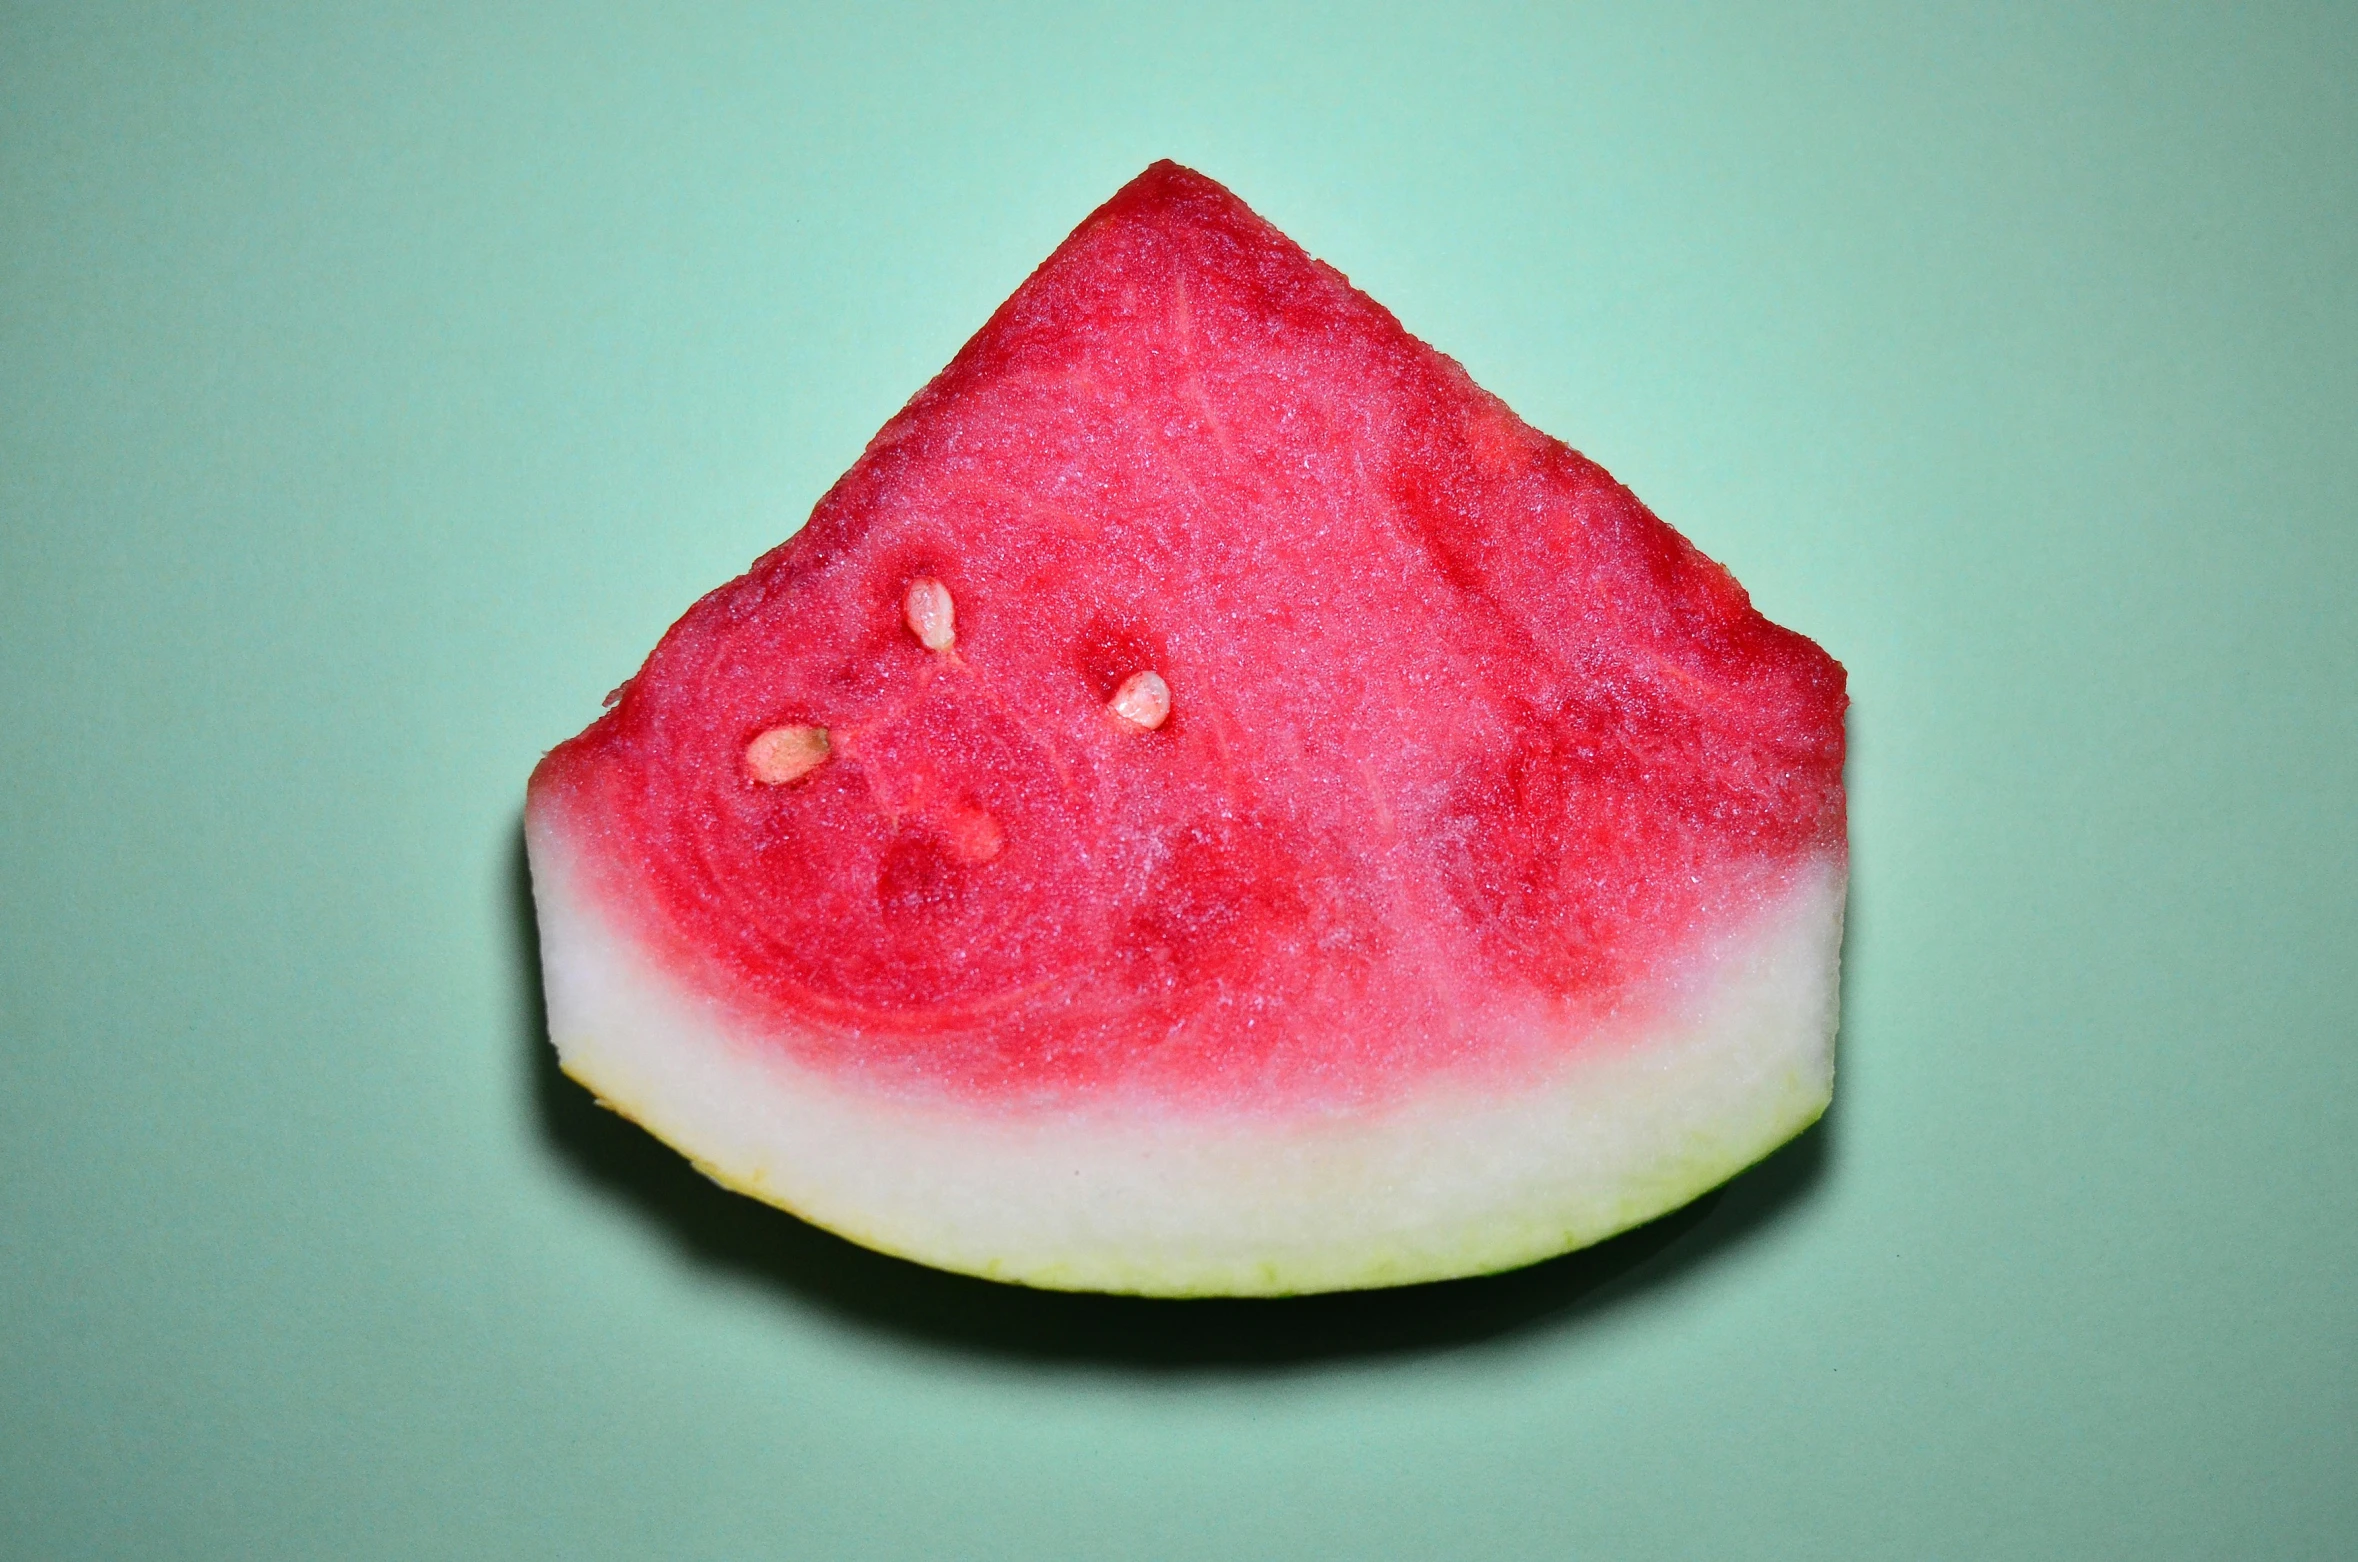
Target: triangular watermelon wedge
x=1211, y=803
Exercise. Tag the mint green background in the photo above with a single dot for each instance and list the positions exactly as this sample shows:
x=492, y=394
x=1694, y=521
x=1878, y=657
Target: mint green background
x=374, y=391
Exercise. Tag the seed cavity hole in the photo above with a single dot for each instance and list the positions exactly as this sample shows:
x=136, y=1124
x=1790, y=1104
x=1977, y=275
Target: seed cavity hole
x=930, y=614
x=1143, y=701
x=785, y=754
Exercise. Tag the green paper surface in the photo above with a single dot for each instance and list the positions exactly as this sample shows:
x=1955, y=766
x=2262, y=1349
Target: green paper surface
x=377, y=384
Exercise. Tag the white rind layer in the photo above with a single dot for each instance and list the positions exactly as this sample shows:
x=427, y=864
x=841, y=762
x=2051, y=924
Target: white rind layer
x=1139, y=1199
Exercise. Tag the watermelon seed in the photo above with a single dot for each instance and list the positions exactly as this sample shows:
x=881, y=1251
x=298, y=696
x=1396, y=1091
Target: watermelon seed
x=1143, y=700
x=974, y=834
x=931, y=616
x=785, y=754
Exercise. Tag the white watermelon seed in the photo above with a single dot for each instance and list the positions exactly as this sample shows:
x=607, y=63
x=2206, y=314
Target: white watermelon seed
x=974, y=834
x=785, y=754
x=931, y=616
x=1143, y=700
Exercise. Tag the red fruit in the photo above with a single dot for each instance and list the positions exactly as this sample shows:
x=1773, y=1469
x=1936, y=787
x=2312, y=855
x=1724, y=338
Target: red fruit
x=1211, y=802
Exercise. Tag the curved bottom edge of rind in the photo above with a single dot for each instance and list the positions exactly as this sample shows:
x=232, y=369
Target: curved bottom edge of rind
x=1132, y=1199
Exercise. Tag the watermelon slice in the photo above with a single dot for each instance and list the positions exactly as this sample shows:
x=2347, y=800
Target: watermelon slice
x=1211, y=803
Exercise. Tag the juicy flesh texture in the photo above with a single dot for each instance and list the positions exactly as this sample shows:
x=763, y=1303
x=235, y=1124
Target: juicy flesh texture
x=1463, y=743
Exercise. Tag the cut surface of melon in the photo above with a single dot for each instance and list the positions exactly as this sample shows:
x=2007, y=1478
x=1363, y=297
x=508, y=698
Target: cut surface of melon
x=1210, y=803
x=1136, y=1196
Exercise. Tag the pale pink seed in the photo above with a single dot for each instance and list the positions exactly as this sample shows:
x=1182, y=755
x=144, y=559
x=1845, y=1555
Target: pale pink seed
x=1143, y=700
x=931, y=616
x=974, y=835
x=785, y=754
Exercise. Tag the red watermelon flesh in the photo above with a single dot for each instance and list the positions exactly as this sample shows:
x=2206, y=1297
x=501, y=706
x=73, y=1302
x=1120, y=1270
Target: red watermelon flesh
x=1211, y=802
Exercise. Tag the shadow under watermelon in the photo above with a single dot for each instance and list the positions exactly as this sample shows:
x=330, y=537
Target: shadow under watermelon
x=769, y=1248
